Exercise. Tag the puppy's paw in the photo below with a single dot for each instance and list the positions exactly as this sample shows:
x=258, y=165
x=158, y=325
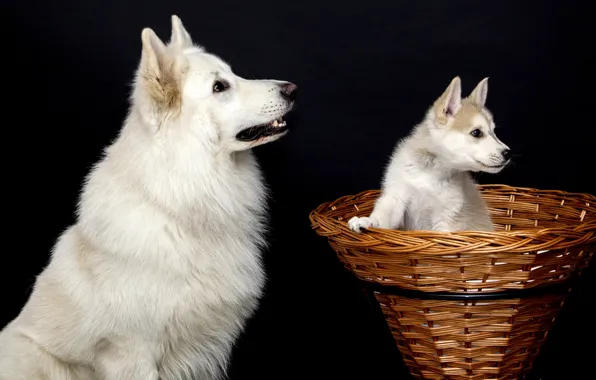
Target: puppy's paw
x=356, y=224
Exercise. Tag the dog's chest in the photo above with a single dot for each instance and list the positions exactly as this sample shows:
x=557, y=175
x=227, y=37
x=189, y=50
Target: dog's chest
x=199, y=299
x=188, y=271
x=434, y=200
x=219, y=288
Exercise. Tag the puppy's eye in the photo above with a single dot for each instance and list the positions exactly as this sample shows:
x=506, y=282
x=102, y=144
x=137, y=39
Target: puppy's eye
x=220, y=86
x=476, y=133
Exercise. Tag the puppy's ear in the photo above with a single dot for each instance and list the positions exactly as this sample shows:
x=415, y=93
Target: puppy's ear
x=449, y=102
x=180, y=37
x=160, y=71
x=479, y=94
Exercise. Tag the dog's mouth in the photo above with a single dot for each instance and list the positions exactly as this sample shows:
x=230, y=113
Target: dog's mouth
x=256, y=132
x=493, y=166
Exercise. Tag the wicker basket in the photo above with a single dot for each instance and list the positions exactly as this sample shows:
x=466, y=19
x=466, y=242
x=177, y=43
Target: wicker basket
x=470, y=305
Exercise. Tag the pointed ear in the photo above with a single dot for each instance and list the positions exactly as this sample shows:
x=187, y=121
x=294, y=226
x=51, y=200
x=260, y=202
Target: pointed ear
x=478, y=96
x=153, y=53
x=180, y=37
x=161, y=71
x=449, y=102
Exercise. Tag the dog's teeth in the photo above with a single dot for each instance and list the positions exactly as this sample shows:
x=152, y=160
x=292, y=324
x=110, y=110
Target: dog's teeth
x=274, y=123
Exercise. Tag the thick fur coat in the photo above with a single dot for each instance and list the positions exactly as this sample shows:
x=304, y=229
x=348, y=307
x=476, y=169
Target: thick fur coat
x=427, y=184
x=163, y=267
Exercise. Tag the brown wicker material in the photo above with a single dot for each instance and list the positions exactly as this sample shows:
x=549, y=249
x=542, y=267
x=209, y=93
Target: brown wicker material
x=542, y=238
x=469, y=340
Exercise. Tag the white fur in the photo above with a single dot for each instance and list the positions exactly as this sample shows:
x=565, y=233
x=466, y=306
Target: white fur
x=427, y=185
x=159, y=274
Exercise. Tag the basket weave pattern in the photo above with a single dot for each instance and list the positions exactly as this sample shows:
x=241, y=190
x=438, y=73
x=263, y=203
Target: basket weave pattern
x=470, y=340
x=541, y=238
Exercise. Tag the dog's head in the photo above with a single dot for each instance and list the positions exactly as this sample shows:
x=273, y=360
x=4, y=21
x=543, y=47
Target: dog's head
x=463, y=130
x=181, y=86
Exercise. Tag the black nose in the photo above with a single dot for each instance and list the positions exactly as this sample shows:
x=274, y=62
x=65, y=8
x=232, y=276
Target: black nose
x=506, y=154
x=288, y=91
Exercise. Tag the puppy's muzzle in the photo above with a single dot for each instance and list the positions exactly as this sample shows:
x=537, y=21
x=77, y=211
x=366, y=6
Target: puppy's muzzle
x=506, y=154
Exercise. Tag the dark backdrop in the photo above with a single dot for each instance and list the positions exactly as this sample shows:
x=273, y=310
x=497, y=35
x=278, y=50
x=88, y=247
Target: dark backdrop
x=366, y=72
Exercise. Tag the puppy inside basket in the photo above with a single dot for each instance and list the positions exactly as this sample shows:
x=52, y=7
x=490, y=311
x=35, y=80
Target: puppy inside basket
x=427, y=185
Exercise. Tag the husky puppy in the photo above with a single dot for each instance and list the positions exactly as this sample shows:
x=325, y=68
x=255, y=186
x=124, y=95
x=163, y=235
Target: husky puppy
x=162, y=268
x=427, y=185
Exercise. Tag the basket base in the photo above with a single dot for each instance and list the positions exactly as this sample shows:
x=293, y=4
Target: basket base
x=470, y=340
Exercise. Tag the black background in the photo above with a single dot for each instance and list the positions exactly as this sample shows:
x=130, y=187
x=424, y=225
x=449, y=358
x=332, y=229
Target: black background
x=366, y=73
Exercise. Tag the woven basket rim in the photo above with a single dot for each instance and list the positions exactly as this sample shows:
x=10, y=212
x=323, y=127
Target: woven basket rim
x=543, y=237
x=320, y=213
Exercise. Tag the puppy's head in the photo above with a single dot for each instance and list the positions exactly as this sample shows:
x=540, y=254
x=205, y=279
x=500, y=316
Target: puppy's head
x=463, y=130
x=181, y=86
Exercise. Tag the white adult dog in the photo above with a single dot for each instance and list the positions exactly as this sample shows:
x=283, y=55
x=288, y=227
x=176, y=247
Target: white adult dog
x=427, y=185
x=163, y=267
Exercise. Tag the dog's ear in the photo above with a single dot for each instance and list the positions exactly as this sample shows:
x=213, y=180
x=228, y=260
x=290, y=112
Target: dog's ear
x=161, y=71
x=153, y=53
x=180, y=37
x=449, y=102
x=479, y=94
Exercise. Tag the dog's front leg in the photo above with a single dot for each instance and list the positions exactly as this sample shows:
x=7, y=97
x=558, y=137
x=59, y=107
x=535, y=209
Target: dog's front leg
x=125, y=360
x=388, y=213
x=442, y=226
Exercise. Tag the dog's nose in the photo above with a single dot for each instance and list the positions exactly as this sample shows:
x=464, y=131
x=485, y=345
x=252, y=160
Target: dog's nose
x=288, y=91
x=506, y=154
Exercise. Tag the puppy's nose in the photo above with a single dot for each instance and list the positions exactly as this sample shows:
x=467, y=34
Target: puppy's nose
x=288, y=91
x=506, y=154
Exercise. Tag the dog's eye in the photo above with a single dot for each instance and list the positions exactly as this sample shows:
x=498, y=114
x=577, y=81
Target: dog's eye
x=476, y=133
x=220, y=86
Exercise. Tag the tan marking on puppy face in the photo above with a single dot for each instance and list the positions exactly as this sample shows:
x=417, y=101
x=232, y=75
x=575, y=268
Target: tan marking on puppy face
x=451, y=109
x=464, y=118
